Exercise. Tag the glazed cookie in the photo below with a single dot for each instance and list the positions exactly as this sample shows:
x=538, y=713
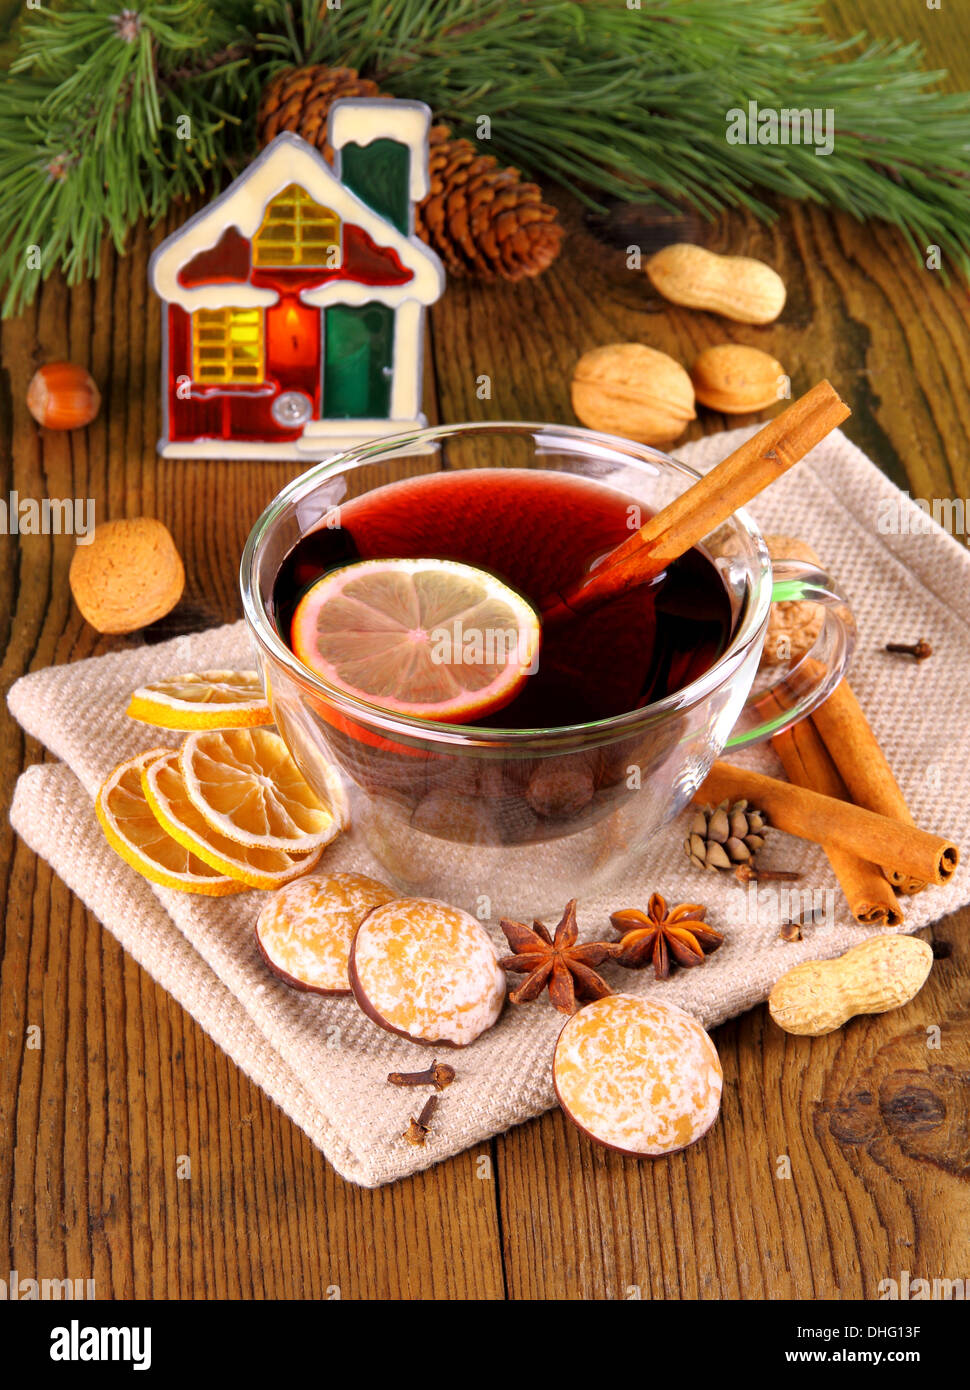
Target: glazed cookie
x=637, y=1076
x=305, y=930
x=427, y=971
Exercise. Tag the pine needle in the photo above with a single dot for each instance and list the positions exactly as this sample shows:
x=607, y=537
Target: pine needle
x=108, y=115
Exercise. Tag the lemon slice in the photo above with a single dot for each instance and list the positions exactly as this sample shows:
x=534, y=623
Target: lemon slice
x=206, y=700
x=133, y=832
x=165, y=793
x=429, y=638
x=245, y=785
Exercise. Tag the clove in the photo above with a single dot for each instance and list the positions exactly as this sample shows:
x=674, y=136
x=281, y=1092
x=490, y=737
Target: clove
x=791, y=928
x=439, y=1075
x=418, y=1130
x=746, y=873
x=920, y=650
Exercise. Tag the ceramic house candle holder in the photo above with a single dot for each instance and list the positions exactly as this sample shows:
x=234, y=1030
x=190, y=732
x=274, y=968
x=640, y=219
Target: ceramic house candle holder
x=294, y=304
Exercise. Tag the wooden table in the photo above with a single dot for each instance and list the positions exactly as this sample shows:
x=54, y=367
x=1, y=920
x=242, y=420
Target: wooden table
x=90, y=1122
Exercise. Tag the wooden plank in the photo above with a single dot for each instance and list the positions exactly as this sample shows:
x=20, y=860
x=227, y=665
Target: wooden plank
x=837, y=1163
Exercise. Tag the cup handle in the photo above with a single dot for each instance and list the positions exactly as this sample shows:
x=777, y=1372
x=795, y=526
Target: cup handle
x=801, y=687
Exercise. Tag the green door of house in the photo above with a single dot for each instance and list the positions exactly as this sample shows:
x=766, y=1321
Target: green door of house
x=358, y=355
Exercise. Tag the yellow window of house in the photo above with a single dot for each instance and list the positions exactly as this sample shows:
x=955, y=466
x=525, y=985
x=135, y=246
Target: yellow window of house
x=227, y=346
x=296, y=231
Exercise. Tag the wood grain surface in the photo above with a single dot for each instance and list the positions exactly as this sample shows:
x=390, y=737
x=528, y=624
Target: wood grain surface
x=92, y=1120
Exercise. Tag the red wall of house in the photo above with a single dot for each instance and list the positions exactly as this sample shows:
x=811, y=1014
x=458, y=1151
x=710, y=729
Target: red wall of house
x=292, y=363
x=292, y=345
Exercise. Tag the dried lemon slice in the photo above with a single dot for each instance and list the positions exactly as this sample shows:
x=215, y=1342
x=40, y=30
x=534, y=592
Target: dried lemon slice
x=165, y=793
x=246, y=785
x=203, y=700
x=133, y=832
x=431, y=638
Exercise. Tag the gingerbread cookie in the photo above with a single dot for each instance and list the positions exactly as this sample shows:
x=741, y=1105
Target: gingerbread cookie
x=427, y=971
x=638, y=1076
x=305, y=930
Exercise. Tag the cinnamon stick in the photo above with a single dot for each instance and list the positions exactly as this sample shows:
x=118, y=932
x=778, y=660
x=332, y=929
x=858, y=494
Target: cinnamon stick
x=807, y=763
x=710, y=501
x=892, y=844
x=862, y=765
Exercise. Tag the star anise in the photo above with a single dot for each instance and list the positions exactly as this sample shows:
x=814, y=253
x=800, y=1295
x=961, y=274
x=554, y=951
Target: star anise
x=557, y=961
x=662, y=932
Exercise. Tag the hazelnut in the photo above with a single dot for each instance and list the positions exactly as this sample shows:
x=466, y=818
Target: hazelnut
x=63, y=396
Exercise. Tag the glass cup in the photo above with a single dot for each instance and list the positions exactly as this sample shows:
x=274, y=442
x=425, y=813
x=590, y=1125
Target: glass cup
x=450, y=811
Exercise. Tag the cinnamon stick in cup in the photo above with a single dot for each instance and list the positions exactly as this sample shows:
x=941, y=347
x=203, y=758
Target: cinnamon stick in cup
x=892, y=844
x=760, y=460
x=807, y=763
x=862, y=766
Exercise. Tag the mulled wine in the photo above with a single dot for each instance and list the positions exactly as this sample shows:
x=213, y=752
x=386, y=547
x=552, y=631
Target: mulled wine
x=537, y=531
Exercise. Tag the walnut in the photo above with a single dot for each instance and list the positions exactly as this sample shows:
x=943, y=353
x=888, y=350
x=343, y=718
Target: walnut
x=450, y=817
x=633, y=390
x=793, y=628
x=129, y=575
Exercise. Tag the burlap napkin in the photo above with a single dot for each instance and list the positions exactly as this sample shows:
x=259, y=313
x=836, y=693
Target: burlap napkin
x=322, y=1060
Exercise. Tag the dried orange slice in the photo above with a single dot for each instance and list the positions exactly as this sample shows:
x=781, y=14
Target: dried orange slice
x=165, y=793
x=203, y=700
x=133, y=832
x=245, y=785
x=430, y=638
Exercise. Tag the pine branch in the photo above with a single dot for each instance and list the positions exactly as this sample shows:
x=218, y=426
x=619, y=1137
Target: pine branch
x=108, y=115
x=652, y=88
x=92, y=136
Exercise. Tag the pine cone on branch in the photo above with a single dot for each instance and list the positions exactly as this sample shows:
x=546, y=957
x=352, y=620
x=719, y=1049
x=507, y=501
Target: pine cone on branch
x=299, y=99
x=481, y=219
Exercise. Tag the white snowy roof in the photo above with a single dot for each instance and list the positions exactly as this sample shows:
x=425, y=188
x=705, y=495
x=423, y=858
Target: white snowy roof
x=289, y=159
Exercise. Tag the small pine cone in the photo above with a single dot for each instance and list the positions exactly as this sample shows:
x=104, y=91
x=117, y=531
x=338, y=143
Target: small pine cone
x=482, y=220
x=725, y=836
x=299, y=99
